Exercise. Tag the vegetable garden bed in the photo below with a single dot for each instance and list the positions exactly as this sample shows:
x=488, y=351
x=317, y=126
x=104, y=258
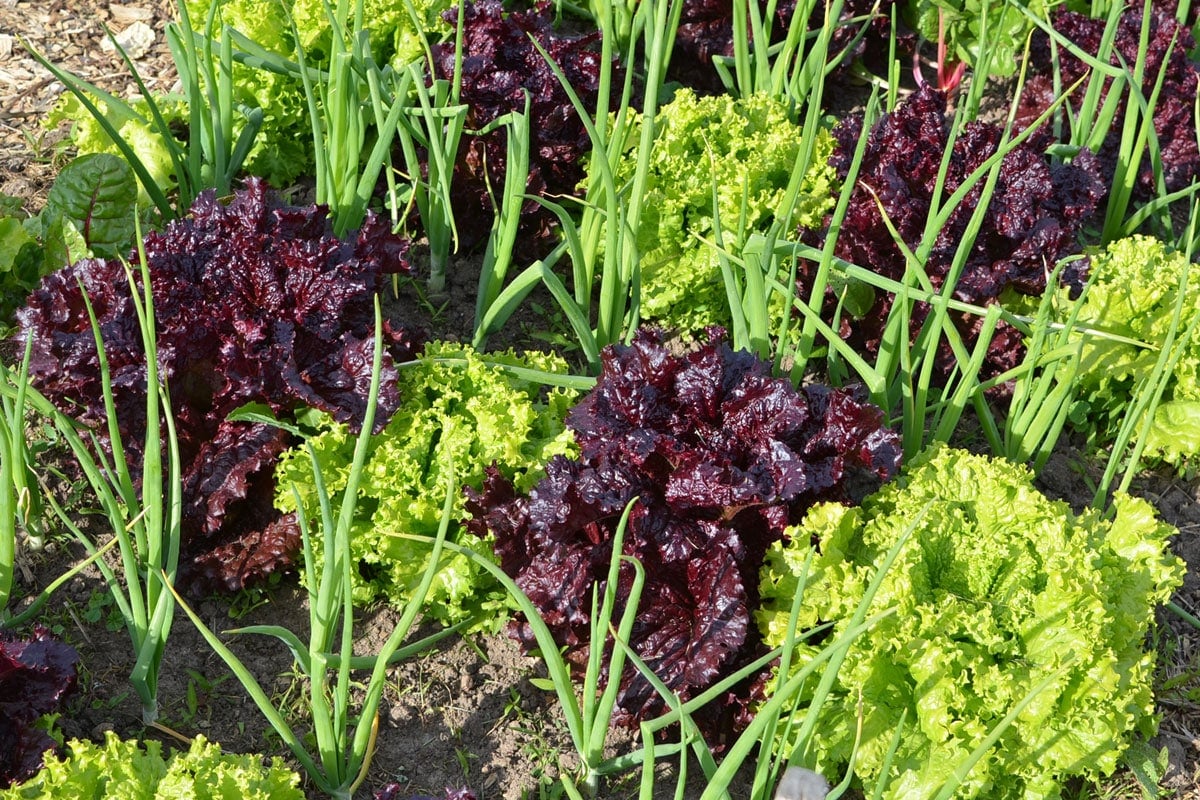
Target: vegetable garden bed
x=809, y=443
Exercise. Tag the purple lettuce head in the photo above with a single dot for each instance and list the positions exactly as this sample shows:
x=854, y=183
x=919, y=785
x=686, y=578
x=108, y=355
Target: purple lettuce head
x=36, y=676
x=720, y=457
x=1034, y=218
x=501, y=66
x=254, y=302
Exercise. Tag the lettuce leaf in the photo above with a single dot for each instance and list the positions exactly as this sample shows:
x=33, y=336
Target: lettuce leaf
x=997, y=590
x=721, y=457
x=746, y=149
x=1136, y=283
x=121, y=769
x=456, y=410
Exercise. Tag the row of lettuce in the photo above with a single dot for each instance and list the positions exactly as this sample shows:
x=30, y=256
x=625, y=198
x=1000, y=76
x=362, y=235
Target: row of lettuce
x=738, y=477
x=1002, y=612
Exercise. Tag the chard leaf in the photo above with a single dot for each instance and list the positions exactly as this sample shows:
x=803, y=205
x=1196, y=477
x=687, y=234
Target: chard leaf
x=98, y=194
x=62, y=243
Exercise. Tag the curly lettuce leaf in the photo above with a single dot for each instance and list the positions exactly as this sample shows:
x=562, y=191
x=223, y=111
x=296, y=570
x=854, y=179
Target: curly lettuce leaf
x=746, y=149
x=1135, y=288
x=456, y=412
x=997, y=590
x=126, y=770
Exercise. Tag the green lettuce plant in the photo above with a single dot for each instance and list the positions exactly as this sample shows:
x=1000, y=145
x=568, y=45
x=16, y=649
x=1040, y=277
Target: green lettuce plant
x=122, y=769
x=719, y=167
x=999, y=594
x=455, y=408
x=1130, y=310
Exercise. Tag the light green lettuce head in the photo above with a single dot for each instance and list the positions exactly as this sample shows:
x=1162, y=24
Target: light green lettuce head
x=122, y=769
x=996, y=590
x=456, y=412
x=1136, y=286
x=746, y=149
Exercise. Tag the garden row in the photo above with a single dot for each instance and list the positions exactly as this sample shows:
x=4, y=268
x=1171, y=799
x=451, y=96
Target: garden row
x=746, y=528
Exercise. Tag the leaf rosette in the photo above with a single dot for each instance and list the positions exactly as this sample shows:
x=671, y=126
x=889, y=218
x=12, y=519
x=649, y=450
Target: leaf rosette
x=720, y=457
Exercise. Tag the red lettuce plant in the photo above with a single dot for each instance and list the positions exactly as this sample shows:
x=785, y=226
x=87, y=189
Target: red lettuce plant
x=1035, y=216
x=1168, y=46
x=706, y=31
x=254, y=302
x=721, y=458
x=500, y=66
x=36, y=675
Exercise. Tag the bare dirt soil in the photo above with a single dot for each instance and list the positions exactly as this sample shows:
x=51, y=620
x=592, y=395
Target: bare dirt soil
x=465, y=713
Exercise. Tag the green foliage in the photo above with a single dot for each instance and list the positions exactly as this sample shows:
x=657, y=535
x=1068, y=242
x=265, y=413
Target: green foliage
x=962, y=24
x=395, y=39
x=136, y=128
x=998, y=590
x=1136, y=284
x=124, y=770
x=744, y=151
x=455, y=408
x=282, y=151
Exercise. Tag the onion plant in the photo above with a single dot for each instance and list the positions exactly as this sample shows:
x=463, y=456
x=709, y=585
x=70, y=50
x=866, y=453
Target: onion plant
x=143, y=508
x=215, y=149
x=435, y=126
x=1091, y=123
x=587, y=710
x=346, y=99
x=21, y=508
x=602, y=246
x=495, y=302
x=902, y=375
x=344, y=741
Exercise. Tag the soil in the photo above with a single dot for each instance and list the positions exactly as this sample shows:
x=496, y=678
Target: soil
x=466, y=712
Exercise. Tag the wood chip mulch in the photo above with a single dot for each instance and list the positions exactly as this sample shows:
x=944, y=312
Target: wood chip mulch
x=69, y=33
